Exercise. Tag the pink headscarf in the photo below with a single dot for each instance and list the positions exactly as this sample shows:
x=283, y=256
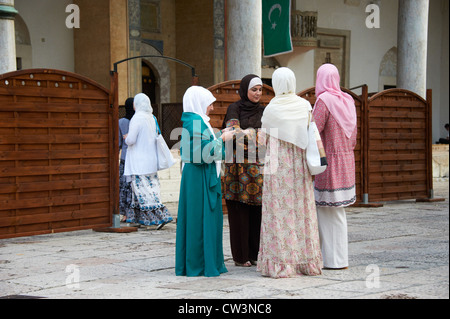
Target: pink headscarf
x=341, y=105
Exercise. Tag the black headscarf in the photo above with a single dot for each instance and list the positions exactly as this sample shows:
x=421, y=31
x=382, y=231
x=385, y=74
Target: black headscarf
x=248, y=113
x=129, y=108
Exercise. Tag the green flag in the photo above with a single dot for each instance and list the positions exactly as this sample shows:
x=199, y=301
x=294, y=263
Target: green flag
x=276, y=22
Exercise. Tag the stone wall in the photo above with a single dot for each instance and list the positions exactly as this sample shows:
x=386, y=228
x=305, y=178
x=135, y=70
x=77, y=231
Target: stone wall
x=440, y=161
x=170, y=180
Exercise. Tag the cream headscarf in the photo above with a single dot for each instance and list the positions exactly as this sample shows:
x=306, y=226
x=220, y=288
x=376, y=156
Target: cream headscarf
x=196, y=100
x=287, y=112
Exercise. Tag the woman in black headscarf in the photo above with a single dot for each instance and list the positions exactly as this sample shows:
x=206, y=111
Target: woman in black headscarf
x=243, y=179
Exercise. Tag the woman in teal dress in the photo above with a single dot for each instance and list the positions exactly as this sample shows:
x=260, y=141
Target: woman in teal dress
x=199, y=250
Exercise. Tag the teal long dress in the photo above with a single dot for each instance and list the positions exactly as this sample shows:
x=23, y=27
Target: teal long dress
x=199, y=250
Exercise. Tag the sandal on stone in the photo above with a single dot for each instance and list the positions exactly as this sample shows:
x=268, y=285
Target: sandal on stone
x=246, y=264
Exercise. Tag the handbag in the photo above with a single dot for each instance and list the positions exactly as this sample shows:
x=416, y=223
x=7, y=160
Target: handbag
x=165, y=157
x=315, y=152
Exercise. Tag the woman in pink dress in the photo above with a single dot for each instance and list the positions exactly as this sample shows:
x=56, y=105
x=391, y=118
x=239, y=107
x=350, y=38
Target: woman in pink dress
x=335, y=117
x=289, y=244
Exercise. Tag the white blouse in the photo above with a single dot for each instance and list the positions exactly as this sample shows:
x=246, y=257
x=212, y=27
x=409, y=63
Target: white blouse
x=141, y=156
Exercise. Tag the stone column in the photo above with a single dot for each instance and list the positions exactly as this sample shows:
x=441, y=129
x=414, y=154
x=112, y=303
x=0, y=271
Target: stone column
x=244, y=36
x=135, y=38
x=7, y=36
x=412, y=45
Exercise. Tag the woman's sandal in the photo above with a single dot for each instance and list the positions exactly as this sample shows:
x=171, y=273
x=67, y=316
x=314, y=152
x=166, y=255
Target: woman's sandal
x=246, y=264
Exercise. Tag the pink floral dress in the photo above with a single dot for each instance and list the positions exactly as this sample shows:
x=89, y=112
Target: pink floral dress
x=336, y=186
x=289, y=243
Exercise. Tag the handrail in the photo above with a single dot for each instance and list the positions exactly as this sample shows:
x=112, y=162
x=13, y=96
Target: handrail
x=357, y=87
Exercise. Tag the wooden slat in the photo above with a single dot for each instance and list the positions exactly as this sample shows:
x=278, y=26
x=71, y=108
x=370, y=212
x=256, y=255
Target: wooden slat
x=54, y=201
x=375, y=157
x=53, y=217
x=45, y=122
x=379, y=167
x=53, y=185
x=55, y=139
x=404, y=188
x=386, y=145
x=49, y=170
x=417, y=177
x=395, y=136
x=397, y=125
x=53, y=92
x=61, y=154
x=74, y=107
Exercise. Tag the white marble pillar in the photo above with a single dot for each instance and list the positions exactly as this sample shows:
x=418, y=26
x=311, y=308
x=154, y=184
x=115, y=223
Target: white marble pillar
x=412, y=45
x=244, y=36
x=7, y=37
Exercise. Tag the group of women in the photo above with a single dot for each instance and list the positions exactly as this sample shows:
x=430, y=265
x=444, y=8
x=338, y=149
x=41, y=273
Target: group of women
x=281, y=219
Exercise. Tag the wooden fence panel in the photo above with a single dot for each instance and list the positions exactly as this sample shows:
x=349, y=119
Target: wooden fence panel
x=56, y=153
x=399, y=146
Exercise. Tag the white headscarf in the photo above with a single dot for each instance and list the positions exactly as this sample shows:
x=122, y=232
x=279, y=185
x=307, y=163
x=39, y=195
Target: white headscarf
x=287, y=112
x=140, y=140
x=142, y=103
x=196, y=100
x=143, y=110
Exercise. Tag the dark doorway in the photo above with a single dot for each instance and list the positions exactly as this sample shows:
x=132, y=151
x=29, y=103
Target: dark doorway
x=149, y=85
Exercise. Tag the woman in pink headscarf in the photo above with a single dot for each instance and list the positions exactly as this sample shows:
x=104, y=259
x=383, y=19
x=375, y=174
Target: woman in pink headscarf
x=335, y=116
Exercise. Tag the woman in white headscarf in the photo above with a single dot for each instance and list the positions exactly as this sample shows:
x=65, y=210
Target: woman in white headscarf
x=289, y=232
x=199, y=250
x=141, y=168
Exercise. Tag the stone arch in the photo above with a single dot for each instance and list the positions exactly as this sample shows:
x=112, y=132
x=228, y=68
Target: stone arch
x=388, y=70
x=23, y=44
x=162, y=71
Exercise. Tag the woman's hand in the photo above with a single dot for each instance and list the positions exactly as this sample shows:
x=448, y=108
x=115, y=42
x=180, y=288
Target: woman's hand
x=228, y=129
x=227, y=135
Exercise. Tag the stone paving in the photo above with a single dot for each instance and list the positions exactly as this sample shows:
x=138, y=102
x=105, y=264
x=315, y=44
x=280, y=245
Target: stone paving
x=398, y=251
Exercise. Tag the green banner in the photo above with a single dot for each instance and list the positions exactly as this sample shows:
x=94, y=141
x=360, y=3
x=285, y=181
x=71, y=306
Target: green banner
x=276, y=22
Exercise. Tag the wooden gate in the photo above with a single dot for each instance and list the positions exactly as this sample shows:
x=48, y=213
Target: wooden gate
x=393, y=152
x=310, y=95
x=399, y=146
x=57, y=160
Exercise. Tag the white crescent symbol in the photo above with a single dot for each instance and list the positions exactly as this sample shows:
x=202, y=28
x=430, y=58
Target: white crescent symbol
x=274, y=7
